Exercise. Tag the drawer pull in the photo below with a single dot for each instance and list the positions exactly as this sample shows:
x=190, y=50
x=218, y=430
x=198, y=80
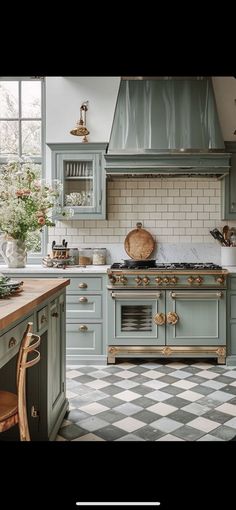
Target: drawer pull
x=34, y=412
x=83, y=299
x=11, y=342
x=83, y=328
x=83, y=285
x=43, y=319
x=54, y=314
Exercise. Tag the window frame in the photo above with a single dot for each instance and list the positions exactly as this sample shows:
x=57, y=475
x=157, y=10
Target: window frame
x=32, y=258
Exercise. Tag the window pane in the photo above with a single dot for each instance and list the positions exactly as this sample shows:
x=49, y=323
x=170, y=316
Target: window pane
x=33, y=242
x=31, y=99
x=31, y=137
x=9, y=137
x=9, y=99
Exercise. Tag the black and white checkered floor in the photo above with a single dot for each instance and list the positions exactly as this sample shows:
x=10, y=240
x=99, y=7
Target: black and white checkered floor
x=150, y=401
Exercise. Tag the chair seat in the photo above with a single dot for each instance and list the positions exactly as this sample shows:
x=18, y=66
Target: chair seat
x=8, y=405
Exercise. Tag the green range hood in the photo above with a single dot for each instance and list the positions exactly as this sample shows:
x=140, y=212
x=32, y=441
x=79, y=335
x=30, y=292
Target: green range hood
x=166, y=126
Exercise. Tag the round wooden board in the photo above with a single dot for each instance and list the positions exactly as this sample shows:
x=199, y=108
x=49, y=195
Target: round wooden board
x=139, y=243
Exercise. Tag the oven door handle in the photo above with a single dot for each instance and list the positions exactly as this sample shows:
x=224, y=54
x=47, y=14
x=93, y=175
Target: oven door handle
x=196, y=295
x=135, y=295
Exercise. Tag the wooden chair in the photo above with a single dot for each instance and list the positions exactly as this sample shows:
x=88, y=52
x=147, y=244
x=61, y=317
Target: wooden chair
x=13, y=406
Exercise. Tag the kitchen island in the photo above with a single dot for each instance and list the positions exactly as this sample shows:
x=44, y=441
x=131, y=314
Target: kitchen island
x=43, y=303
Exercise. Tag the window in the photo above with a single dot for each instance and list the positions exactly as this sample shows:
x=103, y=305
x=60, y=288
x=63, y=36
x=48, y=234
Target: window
x=22, y=131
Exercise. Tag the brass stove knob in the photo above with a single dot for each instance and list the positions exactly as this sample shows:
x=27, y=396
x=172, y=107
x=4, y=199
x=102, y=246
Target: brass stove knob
x=158, y=280
x=146, y=280
x=191, y=280
x=112, y=279
x=166, y=280
x=123, y=280
x=220, y=279
x=198, y=280
x=174, y=279
x=138, y=280
x=172, y=318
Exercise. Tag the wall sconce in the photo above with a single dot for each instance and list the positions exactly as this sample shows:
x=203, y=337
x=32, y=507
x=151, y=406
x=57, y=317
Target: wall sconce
x=81, y=129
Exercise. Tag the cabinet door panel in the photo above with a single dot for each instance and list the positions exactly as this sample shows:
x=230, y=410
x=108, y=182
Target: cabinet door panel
x=84, y=339
x=200, y=321
x=84, y=307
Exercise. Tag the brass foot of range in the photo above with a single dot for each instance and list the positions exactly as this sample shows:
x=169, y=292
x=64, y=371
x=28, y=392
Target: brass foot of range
x=218, y=352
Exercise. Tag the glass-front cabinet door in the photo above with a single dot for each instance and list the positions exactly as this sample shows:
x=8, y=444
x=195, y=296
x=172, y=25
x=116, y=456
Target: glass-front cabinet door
x=80, y=169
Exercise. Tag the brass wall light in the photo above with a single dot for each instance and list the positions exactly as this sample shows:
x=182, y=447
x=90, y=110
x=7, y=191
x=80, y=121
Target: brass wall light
x=81, y=129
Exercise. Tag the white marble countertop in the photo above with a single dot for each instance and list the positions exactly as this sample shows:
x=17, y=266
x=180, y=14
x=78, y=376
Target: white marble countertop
x=231, y=269
x=37, y=268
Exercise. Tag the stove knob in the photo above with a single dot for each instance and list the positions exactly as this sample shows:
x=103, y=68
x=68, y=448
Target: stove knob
x=191, y=280
x=112, y=279
x=166, y=280
x=146, y=280
x=138, y=280
x=123, y=280
x=158, y=280
x=220, y=279
x=198, y=280
x=174, y=279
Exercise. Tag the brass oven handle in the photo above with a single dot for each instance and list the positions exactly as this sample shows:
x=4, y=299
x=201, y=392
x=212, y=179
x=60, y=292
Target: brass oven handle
x=11, y=342
x=195, y=295
x=83, y=328
x=135, y=295
x=159, y=319
x=83, y=299
x=83, y=285
x=172, y=318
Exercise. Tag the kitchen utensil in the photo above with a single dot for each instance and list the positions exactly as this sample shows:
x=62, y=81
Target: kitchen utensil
x=130, y=263
x=226, y=233
x=139, y=243
x=218, y=236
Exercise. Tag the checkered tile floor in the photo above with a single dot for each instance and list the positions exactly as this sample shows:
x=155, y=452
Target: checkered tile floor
x=149, y=401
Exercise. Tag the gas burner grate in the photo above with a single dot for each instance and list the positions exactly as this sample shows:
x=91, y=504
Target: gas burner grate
x=170, y=266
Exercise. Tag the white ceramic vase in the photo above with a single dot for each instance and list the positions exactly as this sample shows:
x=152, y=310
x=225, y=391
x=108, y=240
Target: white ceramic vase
x=14, y=252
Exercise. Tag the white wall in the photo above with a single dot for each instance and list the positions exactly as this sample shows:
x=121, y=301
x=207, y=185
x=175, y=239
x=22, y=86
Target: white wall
x=64, y=97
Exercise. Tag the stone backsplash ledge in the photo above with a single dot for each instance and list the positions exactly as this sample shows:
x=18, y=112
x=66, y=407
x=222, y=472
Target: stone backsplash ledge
x=178, y=213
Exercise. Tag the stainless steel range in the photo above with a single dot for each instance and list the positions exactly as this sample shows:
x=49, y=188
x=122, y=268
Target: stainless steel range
x=173, y=309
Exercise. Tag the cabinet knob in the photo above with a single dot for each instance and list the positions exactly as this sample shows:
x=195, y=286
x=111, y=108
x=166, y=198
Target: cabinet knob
x=220, y=279
x=55, y=314
x=11, y=342
x=83, y=328
x=83, y=299
x=83, y=285
x=34, y=412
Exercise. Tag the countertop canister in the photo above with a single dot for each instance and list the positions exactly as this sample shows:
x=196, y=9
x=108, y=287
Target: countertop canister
x=228, y=255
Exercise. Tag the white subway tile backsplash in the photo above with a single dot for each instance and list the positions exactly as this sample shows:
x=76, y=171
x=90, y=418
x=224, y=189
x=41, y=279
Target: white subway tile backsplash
x=174, y=210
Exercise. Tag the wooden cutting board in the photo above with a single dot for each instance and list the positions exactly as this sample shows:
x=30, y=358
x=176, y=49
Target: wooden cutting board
x=139, y=243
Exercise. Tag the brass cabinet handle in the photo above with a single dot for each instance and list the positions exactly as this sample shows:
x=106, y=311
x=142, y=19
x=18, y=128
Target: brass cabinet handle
x=83, y=285
x=172, y=318
x=83, y=299
x=11, y=342
x=34, y=412
x=83, y=328
x=159, y=319
x=55, y=314
x=43, y=319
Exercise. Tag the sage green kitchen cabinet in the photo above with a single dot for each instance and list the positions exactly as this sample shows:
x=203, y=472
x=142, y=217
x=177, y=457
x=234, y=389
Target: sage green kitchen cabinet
x=45, y=382
x=80, y=169
x=231, y=320
x=85, y=324
x=228, y=187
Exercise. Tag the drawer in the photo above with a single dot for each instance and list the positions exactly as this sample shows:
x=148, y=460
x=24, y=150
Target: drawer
x=232, y=283
x=84, y=338
x=10, y=341
x=83, y=307
x=42, y=318
x=85, y=284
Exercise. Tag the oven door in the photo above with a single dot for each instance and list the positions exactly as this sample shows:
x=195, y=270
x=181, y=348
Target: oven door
x=196, y=317
x=136, y=317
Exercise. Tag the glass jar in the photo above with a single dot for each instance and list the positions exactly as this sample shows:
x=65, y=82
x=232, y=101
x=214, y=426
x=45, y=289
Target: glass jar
x=85, y=256
x=99, y=256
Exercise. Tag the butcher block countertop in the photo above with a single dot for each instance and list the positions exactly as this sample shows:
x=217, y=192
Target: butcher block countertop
x=33, y=294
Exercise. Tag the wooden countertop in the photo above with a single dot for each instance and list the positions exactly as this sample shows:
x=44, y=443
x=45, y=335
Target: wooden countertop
x=34, y=292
